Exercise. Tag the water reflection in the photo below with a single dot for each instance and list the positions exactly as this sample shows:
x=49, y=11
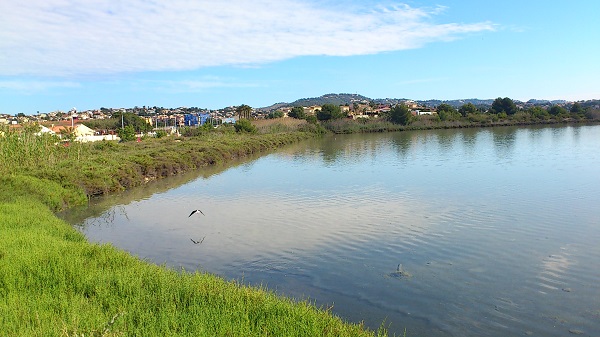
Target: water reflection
x=491, y=250
x=98, y=205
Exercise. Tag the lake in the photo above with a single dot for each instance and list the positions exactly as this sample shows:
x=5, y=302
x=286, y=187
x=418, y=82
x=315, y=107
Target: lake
x=466, y=232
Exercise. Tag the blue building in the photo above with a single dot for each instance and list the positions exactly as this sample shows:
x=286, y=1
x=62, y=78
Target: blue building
x=195, y=119
x=190, y=119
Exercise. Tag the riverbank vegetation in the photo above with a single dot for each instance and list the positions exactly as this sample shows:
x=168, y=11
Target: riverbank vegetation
x=55, y=283
x=503, y=112
x=107, y=166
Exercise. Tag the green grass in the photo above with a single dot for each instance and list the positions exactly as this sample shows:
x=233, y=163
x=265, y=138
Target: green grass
x=55, y=283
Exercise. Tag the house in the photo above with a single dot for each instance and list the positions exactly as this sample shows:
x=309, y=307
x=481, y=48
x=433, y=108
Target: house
x=45, y=130
x=82, y=131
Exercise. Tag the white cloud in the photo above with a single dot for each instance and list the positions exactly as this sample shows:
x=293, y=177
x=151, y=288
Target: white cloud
x=33, y=86
x=80, y=37
x=195, y=85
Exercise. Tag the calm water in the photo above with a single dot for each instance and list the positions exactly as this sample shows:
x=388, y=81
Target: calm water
x=497, y=230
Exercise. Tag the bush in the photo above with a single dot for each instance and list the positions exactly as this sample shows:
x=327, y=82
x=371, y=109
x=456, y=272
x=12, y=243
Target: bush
x=312, y=119
x=244, y=125
x=127, y=133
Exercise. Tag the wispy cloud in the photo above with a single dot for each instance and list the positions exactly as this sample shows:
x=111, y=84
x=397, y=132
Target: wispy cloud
x=33, y=86
x=80, y=37
x=196, y=85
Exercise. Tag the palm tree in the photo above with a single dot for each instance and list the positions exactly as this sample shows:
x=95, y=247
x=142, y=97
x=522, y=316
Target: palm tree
x=244, y=111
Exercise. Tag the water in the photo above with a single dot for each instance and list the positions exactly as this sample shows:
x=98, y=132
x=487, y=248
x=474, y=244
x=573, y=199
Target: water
x=497, y=230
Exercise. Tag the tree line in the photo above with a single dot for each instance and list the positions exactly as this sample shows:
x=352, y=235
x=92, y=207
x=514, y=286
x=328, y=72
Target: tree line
x=501, y=108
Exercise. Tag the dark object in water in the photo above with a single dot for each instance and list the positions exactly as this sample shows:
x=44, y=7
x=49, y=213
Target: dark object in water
x=400, y=272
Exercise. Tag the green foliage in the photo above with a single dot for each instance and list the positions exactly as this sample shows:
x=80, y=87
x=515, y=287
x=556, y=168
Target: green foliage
x=244, y=111
x=576, y=108
x=297, y=112
x=104, y=145
x=503, y=105
x=275, y=114
x=127, y=133
x=139, y=124
x=50, y=193
x=447, y=112
x=538, y=112
x=557, y=110
x=312, y=119
x=67, y=133
x=329, y=111
x=244, y=125
x=161, y=133
x=467, y=109
x=400, y=114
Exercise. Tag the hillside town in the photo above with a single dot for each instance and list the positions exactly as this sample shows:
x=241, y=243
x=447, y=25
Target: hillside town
x=170, y=119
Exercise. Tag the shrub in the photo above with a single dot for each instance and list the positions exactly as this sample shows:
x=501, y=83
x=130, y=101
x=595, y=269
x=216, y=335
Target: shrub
x=244, y=125
x=127, y=133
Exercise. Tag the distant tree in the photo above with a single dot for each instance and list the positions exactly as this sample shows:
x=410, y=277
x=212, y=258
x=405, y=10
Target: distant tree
x=400, y=114
x=447, y=112
x=297, y=112
x=138, y=123
x=329, y=111
x=557, y=110
x=576, y=108
x=127, y=133
x=275, y=114
x=468, y=108
x=503, y=105
x=537, y=112
x=244, y=111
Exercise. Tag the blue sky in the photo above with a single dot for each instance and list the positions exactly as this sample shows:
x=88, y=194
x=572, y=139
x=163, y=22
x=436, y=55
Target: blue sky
x=59, y=54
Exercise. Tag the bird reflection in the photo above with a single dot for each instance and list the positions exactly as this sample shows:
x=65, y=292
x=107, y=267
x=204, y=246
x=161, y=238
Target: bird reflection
x=197, y=242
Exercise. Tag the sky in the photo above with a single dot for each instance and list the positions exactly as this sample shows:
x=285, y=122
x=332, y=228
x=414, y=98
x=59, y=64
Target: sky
x=88, y=54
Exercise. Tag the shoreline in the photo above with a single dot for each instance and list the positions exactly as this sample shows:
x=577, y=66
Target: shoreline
x=54, y=282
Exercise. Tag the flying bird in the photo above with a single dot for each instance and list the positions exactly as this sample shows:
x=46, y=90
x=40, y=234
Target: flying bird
x=195, y=211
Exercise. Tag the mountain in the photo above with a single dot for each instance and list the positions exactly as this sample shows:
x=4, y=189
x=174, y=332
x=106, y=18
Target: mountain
x=349, y=99
x=337, y=99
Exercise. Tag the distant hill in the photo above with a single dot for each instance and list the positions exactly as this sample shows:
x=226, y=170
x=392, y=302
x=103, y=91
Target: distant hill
x=337, y=99
x=349, y=99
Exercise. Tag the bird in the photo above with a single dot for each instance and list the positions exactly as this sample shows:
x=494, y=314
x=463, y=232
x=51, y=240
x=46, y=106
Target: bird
x=195, y=211
x=197, y=242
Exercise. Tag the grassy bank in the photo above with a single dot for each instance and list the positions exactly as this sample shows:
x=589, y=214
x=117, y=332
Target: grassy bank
x=432, y=122
x=106, y=166
x=55, y=283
